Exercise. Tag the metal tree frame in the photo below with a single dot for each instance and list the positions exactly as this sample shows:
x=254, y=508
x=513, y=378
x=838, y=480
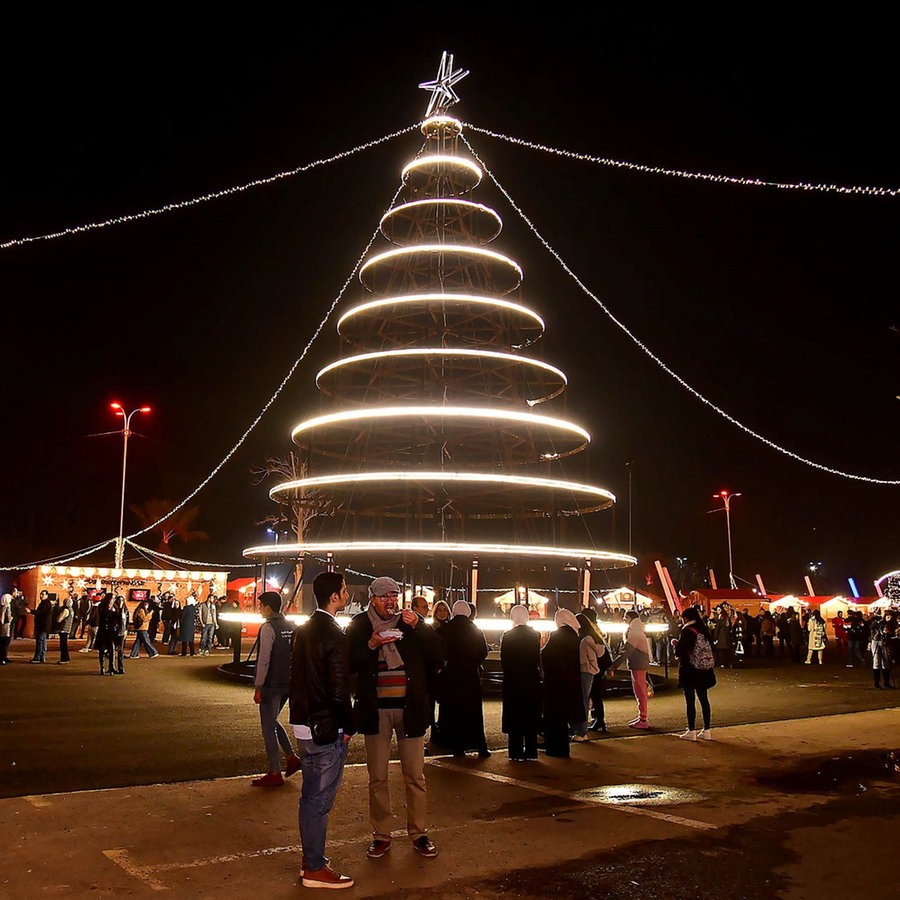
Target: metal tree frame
x=432, y=458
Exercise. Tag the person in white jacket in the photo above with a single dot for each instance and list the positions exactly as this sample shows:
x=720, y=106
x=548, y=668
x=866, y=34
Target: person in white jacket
x=636, y=653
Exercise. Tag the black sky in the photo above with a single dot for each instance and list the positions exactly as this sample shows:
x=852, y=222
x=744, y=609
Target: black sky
x=776, y=305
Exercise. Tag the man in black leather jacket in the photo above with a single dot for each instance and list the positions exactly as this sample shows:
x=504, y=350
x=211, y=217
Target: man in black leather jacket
x=321, y=712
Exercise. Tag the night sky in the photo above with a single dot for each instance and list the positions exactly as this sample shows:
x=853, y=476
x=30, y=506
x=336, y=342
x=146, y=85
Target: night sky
x=775, y=305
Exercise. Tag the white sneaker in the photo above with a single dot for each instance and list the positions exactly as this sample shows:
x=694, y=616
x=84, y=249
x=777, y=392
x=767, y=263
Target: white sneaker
x=705, y=734
x=688, y=736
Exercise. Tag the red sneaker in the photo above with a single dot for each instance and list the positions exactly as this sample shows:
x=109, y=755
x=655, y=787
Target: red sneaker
x=292, y=765
x=325, y=877
x=270, y=779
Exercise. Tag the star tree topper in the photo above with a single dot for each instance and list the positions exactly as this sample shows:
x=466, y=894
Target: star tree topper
x=442, y=94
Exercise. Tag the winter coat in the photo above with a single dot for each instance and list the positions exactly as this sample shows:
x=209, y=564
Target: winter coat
x=688, y=675
x=563, y=703
x=188, y=622
x=462, y=712
x=520, y=661
x=816, y=632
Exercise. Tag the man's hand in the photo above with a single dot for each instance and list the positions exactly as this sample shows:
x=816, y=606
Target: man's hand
x=257, y=695
x=410, y=617
x=378, y=639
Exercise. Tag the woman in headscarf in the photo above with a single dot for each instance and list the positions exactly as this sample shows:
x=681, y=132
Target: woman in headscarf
x=563, y=706
x=520, y=662
x=461, y=711
x=591, y=650
x=696, y=670
x=636, y=653
x=440, y=614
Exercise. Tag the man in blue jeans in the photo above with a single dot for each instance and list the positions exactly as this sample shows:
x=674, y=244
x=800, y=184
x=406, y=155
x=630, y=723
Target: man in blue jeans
x=322, y=715
x=273, y=681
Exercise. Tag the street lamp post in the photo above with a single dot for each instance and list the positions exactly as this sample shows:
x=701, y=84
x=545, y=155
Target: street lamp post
x=727, y=497
x=126, y=433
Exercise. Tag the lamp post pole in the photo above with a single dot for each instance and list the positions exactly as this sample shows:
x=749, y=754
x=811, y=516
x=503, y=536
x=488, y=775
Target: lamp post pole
x=726, y=497
x=126, y=433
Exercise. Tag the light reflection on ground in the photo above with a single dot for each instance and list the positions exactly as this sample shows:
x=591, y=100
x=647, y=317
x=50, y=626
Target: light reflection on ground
x=639, y=794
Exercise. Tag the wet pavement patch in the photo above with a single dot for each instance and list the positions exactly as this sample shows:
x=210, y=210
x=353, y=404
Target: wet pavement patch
x=852, y=773
x=639, y=794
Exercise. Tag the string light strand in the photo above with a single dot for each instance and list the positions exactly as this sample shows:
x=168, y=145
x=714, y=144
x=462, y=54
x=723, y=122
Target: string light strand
x=695, y=176
x=674, y=375
x=203, y=198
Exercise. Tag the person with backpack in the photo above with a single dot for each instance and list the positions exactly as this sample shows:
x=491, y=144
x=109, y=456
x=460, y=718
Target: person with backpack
x=696, y=671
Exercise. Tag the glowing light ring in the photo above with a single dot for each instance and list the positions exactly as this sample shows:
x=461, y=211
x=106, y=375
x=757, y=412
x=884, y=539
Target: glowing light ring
x=390, y=256
x=441, y=123
x=354, y=416
x=432, y=160
x=438, y=548
x=427, y=299
x=470, y=208
x=511, y=358
x=351, y=480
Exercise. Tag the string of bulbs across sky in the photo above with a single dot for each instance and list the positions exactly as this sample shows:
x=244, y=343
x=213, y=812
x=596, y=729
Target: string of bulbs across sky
x=443, y=96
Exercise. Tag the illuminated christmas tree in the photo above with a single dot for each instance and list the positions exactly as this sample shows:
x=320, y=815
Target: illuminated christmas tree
x=434, y=460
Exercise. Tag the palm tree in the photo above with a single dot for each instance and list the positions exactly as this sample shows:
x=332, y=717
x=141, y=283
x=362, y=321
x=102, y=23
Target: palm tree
x=167, y=524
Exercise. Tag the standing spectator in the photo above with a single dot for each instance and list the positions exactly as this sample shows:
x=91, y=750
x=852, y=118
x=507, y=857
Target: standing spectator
x=19, y=607
x=105, y=634
x=93, y=622
x=562, y=703
x=62, y=626
x=440, y=613
x=155, y=616
x=604, y=661
x=187, y=624
x=839, y=627
x=390, y=652
x=815, y=630
x=767, y=633
x=462, y=708
x=208, y=622
x=419, y=604
x=696, y=671
x=740, y=649
x=753, y=624
x=167, y=618
x=723, y=638
x=119, y=618
x=784, y=635
x=881, y=656
x=43, y=622
x=590, y=650
x=141, y=629
x=520, y=661
x=856, y=638
x=796, y=633
x=6, y=627
x=80, y=609
x=175, y=611
x=321, y=710
x=273, y=685
x=636, y=654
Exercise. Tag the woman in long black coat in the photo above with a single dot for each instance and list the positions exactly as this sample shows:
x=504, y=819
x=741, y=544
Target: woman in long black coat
x=520, y=662
x=563, y=704
x=462, y=714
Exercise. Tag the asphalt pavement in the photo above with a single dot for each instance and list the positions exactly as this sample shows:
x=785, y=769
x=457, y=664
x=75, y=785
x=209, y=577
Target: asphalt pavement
x=140, y=785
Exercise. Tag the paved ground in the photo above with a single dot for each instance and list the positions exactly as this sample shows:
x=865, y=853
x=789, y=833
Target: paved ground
x=138, y=785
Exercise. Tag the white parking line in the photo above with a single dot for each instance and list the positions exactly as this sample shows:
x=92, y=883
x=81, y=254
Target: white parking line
x=574, y=796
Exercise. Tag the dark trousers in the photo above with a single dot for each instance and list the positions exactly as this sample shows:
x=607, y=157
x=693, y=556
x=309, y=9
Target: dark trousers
x=691, y=695
x=19, y=627
x=596, y=698
x=523, y=745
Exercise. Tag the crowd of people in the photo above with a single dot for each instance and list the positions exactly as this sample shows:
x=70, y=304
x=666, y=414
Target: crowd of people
x=105, y=622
